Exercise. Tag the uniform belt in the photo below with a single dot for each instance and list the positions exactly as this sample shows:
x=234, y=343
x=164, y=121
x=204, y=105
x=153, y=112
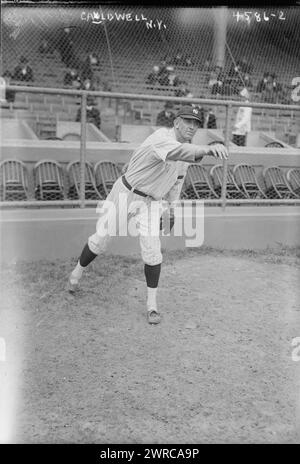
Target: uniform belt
x=138, y=192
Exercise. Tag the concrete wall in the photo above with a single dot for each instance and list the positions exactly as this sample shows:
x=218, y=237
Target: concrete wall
x=14, y=129
x=61, y=233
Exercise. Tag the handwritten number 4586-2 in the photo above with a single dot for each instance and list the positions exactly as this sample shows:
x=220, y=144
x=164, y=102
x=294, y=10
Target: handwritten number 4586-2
x=247, y=15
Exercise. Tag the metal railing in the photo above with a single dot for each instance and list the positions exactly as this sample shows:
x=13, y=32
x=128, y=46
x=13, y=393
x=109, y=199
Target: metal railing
x=228, y=104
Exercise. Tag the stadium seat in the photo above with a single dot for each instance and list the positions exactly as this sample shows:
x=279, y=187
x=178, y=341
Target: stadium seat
x=91, y=191
x=71, y=136
x=13, y=180
x=48, y=180
x=246, y=180
x=197, y=184
x=232, y=189
x=274, y=144
x=106, y=173
x=277, y=185
x=293, y=178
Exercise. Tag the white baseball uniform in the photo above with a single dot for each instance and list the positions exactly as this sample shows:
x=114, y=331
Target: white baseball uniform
x=157, y=169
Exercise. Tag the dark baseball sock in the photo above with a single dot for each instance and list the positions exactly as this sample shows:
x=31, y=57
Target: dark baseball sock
x=86, y=257
x=152, y=274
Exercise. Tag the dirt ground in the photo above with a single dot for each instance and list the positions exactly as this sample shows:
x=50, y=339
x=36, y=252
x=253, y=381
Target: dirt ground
x=218, y=369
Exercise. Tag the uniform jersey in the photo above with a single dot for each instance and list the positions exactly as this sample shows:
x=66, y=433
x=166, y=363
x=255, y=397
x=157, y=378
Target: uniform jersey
x=158, y=165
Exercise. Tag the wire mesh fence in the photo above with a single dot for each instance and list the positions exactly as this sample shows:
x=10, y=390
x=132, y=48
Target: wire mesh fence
x=206, y=53
x=168, y=51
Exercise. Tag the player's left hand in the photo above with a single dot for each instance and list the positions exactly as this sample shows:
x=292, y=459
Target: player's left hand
x=218, y=151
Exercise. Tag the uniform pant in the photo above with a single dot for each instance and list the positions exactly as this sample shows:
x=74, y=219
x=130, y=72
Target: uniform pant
x=126, y=212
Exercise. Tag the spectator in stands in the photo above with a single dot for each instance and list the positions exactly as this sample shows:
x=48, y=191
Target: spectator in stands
x=92, y=113
x=65, y=46
x=10, y=95
x=23, y=71
x=166, y=117
x=87, y=84
x=153, y=77
x=212, y=80
x=215, y=83
x=183, y=91
x=242, y=124
x=72, y=79
x=269, y=94
x=173, y=80
x=244, y=66
x=163, y=74
x=182, y=60
x=178, y=59
x=247, y=81
x=210, y=120
x=87, y=71
x=235, y=71
x=277, y=87
x=189, y=61
x=262, y=83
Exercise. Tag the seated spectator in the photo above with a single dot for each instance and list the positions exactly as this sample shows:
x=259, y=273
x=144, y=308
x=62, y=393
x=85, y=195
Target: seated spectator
x=270, y=92
x=182, y=60
x=87, y=71
x=163, y=74
x=72, y=79
x=10, y=95
x=276, y=85
x=247, y=80
x=173, y=80
x=87, y=84
x=262, y=83
x=183, y=91
x=92, y=113
x=234, y=71
x=244, y=66
x=212, y=79
x=23, y=71
x=153, y=77
x=166, y=117
x=210, y=120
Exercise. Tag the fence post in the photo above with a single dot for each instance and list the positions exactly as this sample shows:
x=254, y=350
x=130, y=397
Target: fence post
x=225, y=162
x=82, y=150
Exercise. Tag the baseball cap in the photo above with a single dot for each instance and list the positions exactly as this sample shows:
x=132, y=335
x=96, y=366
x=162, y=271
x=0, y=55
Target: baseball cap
x=189, y=112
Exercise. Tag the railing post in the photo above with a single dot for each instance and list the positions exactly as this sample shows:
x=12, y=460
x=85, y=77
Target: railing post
x=82, y=150
x=225, y=162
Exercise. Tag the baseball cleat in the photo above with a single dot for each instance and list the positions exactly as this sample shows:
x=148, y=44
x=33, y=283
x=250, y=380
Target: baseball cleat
x=72, y=284
x=153, y=316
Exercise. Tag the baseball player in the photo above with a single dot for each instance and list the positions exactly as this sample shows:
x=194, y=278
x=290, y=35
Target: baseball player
x=154, y=177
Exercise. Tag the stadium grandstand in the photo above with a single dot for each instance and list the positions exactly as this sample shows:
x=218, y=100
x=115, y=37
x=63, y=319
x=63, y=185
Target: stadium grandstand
x=124, y=64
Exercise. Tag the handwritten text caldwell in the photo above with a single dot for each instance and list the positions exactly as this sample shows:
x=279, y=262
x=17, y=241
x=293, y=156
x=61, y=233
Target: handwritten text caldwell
x=97, y=17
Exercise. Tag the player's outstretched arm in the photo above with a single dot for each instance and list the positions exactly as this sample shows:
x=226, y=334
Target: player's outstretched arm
x=217, y=150
x=191, y=153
